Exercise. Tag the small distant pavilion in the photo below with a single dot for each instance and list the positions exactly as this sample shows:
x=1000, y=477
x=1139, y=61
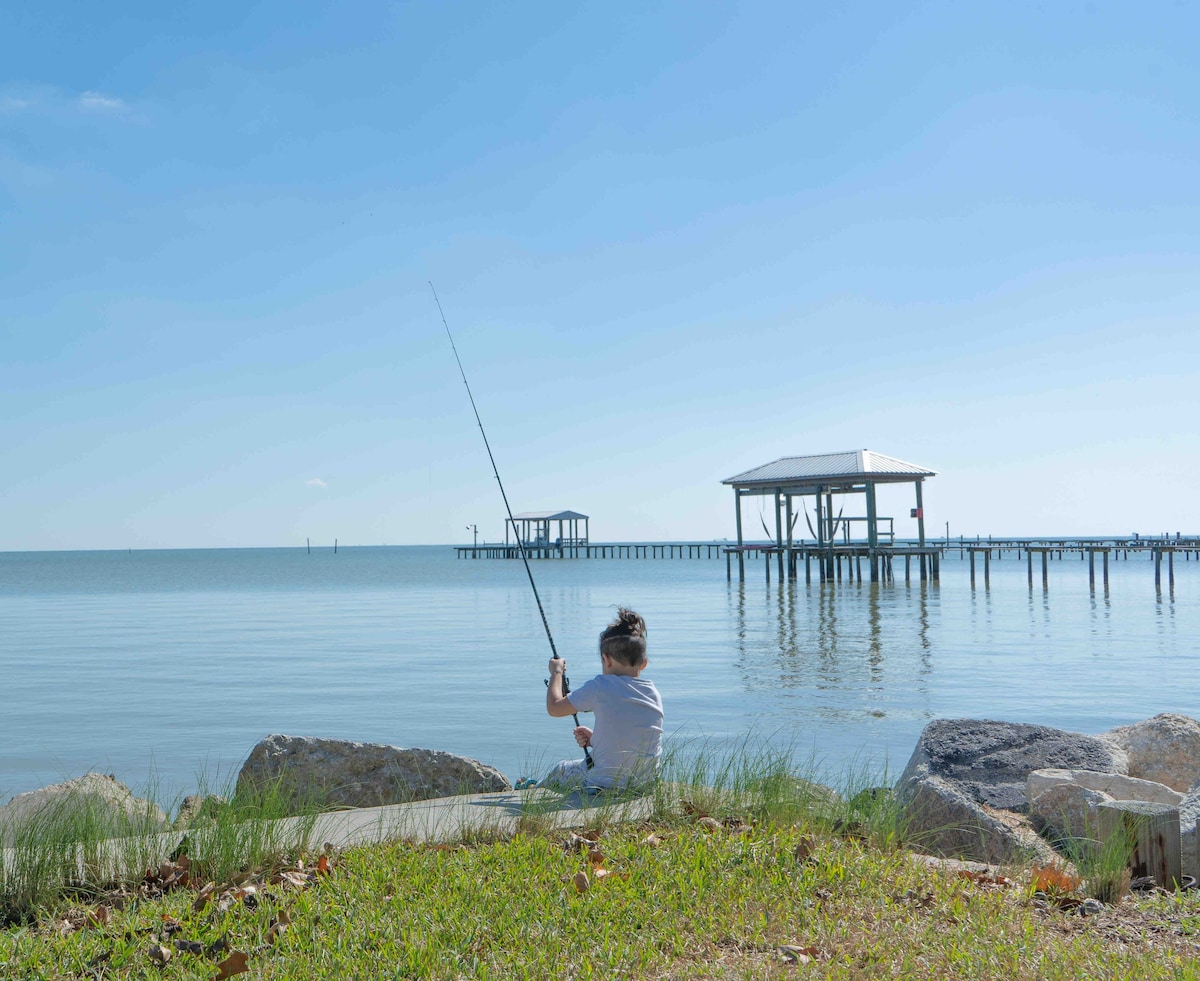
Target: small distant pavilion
x=532, y=528
x=823, y=477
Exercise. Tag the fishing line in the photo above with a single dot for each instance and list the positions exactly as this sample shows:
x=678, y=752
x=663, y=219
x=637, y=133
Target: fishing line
x=508, y=509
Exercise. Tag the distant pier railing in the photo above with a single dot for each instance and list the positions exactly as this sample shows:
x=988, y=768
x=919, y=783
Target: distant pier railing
x=848, y=560
x=596, y=550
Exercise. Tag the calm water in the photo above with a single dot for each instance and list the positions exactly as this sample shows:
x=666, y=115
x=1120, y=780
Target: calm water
x=175, y=663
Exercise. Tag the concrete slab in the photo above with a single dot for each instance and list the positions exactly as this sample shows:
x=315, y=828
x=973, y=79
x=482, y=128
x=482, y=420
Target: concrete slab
x=442, y=819
x=452, y=818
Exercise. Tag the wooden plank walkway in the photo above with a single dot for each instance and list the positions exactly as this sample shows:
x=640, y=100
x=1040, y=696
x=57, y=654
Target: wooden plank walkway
x=846, y=562
x=610, y=550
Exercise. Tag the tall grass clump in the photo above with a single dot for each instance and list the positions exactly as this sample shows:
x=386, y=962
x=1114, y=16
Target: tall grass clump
x=76, y=846
x=764, y=782
x=258, y=826
x=71, y=844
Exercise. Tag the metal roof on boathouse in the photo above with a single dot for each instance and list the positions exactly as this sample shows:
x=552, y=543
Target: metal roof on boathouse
x=799, y=474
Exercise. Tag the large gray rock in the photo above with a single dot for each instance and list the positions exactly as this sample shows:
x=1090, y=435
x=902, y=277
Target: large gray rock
x=329, y=773
x=1115, y=785
x=966, y=776
x=1189, y=814
x=1067, y=811
x=1165, y=749
x=94, y=805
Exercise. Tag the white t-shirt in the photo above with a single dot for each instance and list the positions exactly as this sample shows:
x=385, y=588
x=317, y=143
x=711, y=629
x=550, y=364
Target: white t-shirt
x=627, y=737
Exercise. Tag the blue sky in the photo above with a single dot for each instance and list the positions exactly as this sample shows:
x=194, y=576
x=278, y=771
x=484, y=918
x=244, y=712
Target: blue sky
x=673, y=241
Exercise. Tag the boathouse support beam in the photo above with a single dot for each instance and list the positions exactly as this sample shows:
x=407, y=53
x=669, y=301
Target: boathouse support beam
x=790, y=540
x=779, y=531
x=872, y=532
x=737, y=510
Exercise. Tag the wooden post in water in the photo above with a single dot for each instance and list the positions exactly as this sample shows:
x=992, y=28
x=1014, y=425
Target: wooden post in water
x=1045, y=573
x=1158, y=570
x=308, y=546
x=972, y=553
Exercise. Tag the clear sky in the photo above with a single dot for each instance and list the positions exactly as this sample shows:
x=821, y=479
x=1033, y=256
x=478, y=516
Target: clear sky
x=673, y=241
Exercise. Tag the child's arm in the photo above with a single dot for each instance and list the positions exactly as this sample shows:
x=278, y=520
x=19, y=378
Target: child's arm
x=557, y=704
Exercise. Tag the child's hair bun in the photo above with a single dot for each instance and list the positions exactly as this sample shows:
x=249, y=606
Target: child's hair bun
x=634, y=625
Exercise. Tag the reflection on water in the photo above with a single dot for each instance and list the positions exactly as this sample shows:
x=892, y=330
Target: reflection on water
x=847, y=649
x=859, y=668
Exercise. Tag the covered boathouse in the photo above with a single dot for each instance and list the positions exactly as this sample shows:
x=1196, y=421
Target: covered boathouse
x=536, y=530
x=835, y=536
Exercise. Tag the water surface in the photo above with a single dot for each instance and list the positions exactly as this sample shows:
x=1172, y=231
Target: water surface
x=175, y=663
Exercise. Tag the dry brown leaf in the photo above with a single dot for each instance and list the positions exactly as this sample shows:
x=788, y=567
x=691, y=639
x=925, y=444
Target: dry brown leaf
x=605, y=873
x=804, y=848
x=235, y=963
x=323, y=864
x=797, y=955
x=101, y=916
x=203, y=896
x=159, y=954
x=585, y=840
x=1053, y=879
x=985, y=878
x=692, y=809
x=299, y=880
x=652, y=840
x=595, y=858
x=709, y=824
x=278, y=925
x=581, y=881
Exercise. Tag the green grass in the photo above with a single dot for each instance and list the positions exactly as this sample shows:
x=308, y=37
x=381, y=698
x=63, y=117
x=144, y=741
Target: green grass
x=740, y=878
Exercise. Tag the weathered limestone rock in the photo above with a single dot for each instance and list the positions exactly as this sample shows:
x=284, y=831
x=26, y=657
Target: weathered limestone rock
x=1189, y=814
x=1165, y=749
x=331, y=773
x=1067, y=810
x=940, y=819
x=94, y=805
x=966, y=775
x=199, y=809
x=1115, y=785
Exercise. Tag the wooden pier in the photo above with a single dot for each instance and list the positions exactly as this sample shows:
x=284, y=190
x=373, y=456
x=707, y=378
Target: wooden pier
x=832, y=564
x=859, y=562
x=595, y=550
x=846, y=562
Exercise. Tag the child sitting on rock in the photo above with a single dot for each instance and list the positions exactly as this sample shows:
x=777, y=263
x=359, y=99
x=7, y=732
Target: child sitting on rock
x=627, y=739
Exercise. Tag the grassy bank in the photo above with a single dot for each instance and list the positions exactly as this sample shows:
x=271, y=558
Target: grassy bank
x=765, y=876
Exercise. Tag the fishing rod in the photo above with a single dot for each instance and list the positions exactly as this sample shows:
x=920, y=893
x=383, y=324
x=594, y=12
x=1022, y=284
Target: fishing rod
x=520, y=544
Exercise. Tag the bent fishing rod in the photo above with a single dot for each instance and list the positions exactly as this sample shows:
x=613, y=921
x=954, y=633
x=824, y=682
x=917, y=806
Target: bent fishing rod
x=520, y=544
